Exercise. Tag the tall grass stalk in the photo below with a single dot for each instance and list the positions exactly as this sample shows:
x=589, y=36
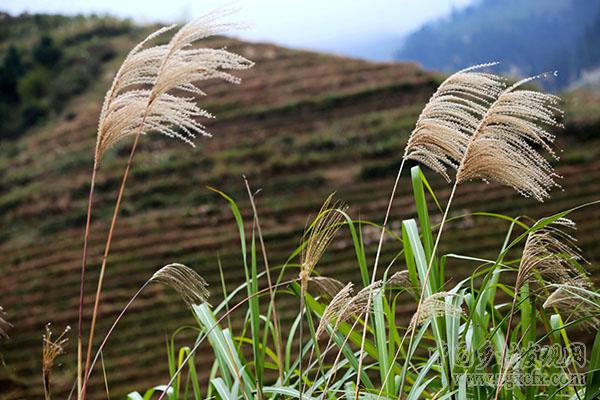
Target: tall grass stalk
x=113, y=223
x=129, y=110
x=373, y=277
x=272, y=303
x=82, y=280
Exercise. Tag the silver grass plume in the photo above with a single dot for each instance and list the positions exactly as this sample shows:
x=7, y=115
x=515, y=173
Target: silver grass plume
x=185, y=281
x=336, y=308
x=4, y=324
x=326, y=286
x=401, y=279
x=453, y=113
x=343, y=306
x=435, y=306
x=322, y=232
x=155, y=88
x=504, y=148
x=359, y=303
x=51, y=349
x=576, y=302
x=551, y=252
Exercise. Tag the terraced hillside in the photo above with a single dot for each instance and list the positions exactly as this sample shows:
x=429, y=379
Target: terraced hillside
x=300, y=126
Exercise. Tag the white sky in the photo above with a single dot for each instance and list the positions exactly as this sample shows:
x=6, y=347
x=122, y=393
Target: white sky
x=317, y=24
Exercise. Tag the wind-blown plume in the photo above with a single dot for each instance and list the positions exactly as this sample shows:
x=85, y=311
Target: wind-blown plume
x=336, y=308
x=343, y=305
x=435, y=306
x=576, y=303
x=323, y=230
x=550, y=252
x=504, y=146
x=452, y=114
x=401, y=280
x=51, y=349
x=185, y=281
x=148, y=91
x=326, y=286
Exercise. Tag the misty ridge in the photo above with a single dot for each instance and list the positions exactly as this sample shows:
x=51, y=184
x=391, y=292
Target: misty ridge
x=527, y=37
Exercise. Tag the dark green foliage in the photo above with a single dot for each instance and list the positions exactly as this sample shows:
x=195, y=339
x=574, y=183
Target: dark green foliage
x=37, y=82
x=11, y=70
x=46, y=53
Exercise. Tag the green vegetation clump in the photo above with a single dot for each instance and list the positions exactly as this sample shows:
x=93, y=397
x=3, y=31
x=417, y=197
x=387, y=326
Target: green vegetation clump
x=38, y=80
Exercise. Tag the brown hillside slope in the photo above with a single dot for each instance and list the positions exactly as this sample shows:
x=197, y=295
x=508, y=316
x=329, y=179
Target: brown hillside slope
x=300, y=126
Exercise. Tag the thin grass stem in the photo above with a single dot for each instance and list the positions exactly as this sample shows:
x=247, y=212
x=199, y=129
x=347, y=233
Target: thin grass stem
x=276, y=324
x=107, y=251
x=82, y=281
x=426, y=280
x=377, y=255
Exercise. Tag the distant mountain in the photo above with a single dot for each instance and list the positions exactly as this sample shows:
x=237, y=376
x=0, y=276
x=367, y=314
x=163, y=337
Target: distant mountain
x=377, y=47
x=528, y=37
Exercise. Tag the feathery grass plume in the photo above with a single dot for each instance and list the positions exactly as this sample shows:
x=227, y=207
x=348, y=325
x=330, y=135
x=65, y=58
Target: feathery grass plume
x=453, y=113
x=51, y=349
x=435, y=306
x=576, y=302
x=343, y=306
x=401, y=280
x=336, y=308
x=155, y=88
x=326, y=286
x=320, y=234
x=185, y=281
x=504, y=148
x=4, y=324
x=361, y=302
x=550, y=252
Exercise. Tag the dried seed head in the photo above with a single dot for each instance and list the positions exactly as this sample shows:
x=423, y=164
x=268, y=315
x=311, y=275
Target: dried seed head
x=336, y=309
x=575, y=303
x=343, y=306
x=147, y=93
x=401, y=279
x=452, y=114
x=51, y=349
x=319, y=235
x=185, y=281
x=505, y=146
x=326, y=286
x=551, y=252
x=435, y=306
x=361, y=301
x=4, y=324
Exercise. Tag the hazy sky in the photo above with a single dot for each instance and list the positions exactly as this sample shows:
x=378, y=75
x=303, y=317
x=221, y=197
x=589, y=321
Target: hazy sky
x=318, y=24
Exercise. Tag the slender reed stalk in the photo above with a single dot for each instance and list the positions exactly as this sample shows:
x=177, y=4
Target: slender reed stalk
x=322, y=232
x=82, y=280
x=128, y=110
x=376, y=263
x=104, y=259
x=276, y=323
x=426, y=280
x=188, y=284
